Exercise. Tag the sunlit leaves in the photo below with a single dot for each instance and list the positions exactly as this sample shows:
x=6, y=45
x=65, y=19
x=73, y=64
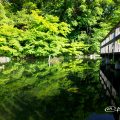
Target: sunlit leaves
x=83, y=8
x=2, y=12
x=51, y=18
x=29, y=6
x=8, y=51
x=2, y=41
x=98, y=10
x=48, y=24
x=69, y=12
x=33, y=34
x=74, y=23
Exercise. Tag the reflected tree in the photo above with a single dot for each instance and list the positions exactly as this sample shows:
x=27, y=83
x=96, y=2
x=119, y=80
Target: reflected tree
x=33, y=90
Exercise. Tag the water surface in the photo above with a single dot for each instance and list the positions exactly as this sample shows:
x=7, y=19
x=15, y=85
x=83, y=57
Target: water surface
x=69, y=90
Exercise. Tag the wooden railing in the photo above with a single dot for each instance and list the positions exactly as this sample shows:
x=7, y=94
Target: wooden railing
x=111, y=43
x=107, y=85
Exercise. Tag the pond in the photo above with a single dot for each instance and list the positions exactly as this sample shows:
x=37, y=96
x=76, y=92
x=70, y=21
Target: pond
x=69, y=90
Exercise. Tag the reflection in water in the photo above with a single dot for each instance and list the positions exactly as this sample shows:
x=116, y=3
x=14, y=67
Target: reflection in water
x=110, y=79
x=36, y=91
x=101, y=117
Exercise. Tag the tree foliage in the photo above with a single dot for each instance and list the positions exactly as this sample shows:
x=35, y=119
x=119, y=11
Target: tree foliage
x=38, y=27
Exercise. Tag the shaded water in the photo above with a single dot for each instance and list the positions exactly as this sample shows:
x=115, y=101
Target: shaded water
x=69, y=90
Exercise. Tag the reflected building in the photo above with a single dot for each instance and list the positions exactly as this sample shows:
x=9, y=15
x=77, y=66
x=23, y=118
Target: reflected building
x=110, y=80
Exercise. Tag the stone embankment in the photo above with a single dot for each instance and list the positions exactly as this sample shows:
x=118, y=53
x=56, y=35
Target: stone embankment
x=4, y=59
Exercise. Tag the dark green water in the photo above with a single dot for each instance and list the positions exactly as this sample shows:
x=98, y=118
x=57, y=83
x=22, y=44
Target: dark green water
x=63, y=91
